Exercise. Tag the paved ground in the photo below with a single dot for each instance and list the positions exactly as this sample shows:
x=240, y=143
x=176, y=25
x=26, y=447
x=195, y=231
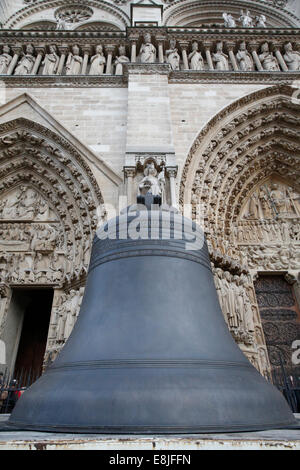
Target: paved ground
x=286, y=439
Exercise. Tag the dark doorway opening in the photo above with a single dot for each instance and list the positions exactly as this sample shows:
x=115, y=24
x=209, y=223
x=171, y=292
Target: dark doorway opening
x=280, y=317
x=33, y=339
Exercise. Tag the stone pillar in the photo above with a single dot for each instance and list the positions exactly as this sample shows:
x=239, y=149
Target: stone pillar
x=280, y=58
x=40, y=54
x=17, y=50
x=184, y=45
x=160, y=42
x=63, y=54
x=207, y=46
x=86, y=53
x=133, y=41
x=172, y=173
x=253, y=48
x=109, y=49
x=129, y=173
x=230, y=46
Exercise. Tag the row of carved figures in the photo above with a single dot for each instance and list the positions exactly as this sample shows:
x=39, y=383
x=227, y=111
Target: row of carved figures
x=74, y=62
x=245, y=20
x=267, y=232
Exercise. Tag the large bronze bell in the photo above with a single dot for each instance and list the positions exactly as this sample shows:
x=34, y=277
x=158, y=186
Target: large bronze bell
x=151, y=352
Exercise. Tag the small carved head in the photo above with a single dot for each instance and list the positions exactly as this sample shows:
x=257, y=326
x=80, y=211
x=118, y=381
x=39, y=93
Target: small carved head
x=122, y=50
x=29, y=49
x=6, y=49
x=195, y=46
x=75, y=50
x=99, y=49
x=288, y=47
x=265, y=47
x=147, y=37
x=173, y=43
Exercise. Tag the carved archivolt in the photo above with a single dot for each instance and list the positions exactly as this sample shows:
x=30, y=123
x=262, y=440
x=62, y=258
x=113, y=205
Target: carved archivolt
x=251, y=139
x=48, y=202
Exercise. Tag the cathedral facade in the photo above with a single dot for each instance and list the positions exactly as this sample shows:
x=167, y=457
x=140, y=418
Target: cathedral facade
x=96, y=97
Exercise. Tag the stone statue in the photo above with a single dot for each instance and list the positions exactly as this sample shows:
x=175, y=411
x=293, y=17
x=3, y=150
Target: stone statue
x=74, y=62
x=61, y=24
x=151, y=182
x=246, y=19
x=147, y=51
x=220, y=58
x=292, y=58
x=120, y=60
x=195, y=58
x=98, y=62
x=51, y=62
x=244, y=58
x=5, y=60
x=268, y=61
x=261, y=21
x=26, y=64
x=229, y=21
x=172, y=55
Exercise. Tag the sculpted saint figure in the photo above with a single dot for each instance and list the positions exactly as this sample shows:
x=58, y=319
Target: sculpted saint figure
x=268, y=61
x=51, y=62
x=151, y=182
x=244, y=58
x=229, y=21
x=26, y=64
x=246, y=19
x=195, y=58
x=220, y=58
x=261, y=21
x=61, y=24
x=173, y=57
x=120, y=60
x=292, y=58
x=148, y=51
x=5, y=60
x=74, y=62
x=97, y=62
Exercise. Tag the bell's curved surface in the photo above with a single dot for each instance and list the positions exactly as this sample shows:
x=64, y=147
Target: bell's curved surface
x=151, y=351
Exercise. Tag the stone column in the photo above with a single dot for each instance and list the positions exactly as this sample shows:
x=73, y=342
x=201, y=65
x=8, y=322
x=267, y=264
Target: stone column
x=86, y=51
x=133, y=41
x=40, y=54
x=63, y=54
x=172, y=173
x=230, y=46
x=109, y=49
x=184, y=45
x=207, y=46
x=5, y=296
x=129, y=173
x=253, y=48
x=280, y=58
x=160, y=42
x=17, y=50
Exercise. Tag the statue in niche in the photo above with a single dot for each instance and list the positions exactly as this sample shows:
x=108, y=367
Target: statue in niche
x=244, y=58
x=147, y=51
x=120, y=60
x=152, y=182
x=26, y=64
x=246, y=19
x=229, y=21
x=5, y=60
x=261, y=21
x=98, y=62
x=265, y=205
x=51, y=61
x=61, y=318
x=292, y=58
x=268, y=61
x=295, y=200
x=195, y=58
x=220, y=58
x=74, y=62
x=172, y=55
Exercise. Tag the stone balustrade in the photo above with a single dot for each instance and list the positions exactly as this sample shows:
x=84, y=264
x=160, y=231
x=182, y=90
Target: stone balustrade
x=65, y=53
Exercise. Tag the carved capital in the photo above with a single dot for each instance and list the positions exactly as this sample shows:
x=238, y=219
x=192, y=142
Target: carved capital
x=4, y=291
x=129, y=172
x=172, y=172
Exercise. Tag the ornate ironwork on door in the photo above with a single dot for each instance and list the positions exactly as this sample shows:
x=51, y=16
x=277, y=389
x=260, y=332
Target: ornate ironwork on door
x=280, y=317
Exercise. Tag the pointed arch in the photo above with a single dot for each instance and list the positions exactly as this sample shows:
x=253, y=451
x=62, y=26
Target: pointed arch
x=42, y=174
x=253, y=137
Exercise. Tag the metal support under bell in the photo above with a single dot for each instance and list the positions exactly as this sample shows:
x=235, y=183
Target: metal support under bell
x=151, y=352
